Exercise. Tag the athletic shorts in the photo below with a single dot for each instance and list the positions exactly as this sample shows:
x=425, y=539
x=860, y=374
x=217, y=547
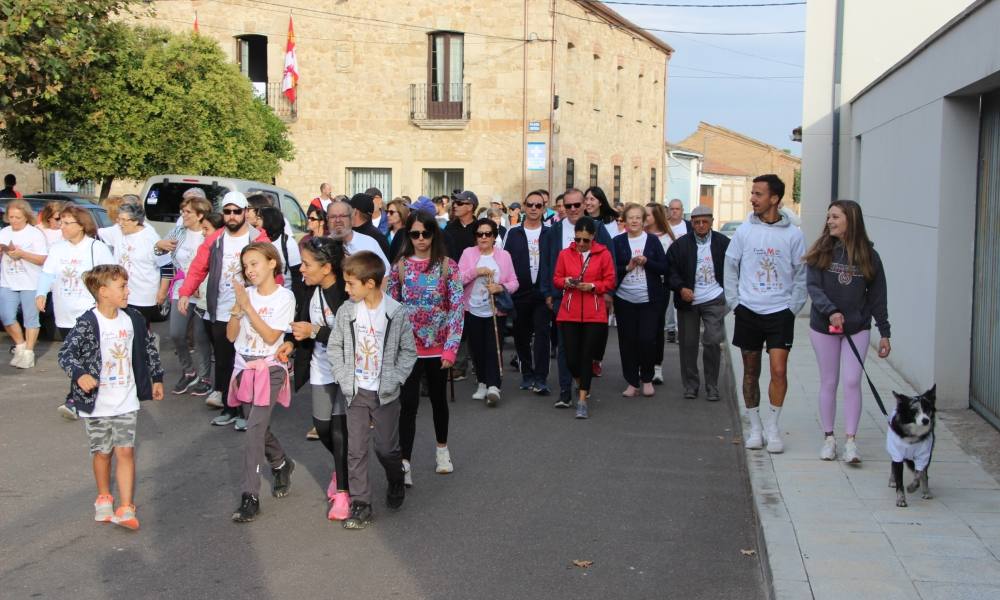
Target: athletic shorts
x=108, y=433
x=752, y=330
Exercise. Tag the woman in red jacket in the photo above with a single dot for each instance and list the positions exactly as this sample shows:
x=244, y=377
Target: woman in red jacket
x=585, y=272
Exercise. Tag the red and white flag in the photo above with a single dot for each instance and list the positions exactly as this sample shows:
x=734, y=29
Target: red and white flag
x=290, y=80
x=196, y=22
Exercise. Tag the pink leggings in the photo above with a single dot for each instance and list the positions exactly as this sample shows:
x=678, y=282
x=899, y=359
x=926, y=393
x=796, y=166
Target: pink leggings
x=835, y=358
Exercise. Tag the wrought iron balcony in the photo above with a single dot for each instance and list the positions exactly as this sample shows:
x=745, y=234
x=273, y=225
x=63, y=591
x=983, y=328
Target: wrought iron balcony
x=439, y=106
x=273, y=96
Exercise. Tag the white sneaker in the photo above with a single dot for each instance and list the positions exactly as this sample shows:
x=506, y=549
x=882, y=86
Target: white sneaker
x=492, y=396
x=851, y=452
x=407, y=474
x=657, y=374
x=214, y=399
x=829, y=451
x=774, y=443
x=754, y=441
x=27, y=360
x=15, y=360
x=68, y=413
x=443, y=458
x=480, y=393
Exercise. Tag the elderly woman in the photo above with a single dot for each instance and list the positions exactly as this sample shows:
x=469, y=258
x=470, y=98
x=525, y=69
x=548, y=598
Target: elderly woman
x=134, y=245
x=22, y=251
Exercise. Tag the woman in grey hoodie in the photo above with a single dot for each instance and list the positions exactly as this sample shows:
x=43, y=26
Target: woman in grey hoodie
x=847, y=286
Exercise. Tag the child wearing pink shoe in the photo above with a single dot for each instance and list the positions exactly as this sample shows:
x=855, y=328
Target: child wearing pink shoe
x=113, y=363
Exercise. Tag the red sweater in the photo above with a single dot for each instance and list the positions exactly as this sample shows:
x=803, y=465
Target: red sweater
x=578, y=306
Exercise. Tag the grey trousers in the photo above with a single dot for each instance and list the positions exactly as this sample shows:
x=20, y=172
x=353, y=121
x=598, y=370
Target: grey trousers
x=364, y=412
x=181, y=328
x=260, y=442
x=689, y=323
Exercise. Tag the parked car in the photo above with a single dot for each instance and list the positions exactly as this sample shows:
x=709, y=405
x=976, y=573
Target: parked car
x=728, y=228
x=162, y=197
x=38, y=202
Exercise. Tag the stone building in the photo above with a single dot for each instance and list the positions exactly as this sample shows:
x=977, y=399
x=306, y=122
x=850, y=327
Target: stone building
x=419, y=97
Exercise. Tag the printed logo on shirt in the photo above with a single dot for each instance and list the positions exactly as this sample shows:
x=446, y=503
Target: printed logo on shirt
x=125, y=260
x=705, y=273
x=767, y=269
x=845, y=273
x=232, y=269
x=117, y=371
x=367, y=361
x=254, y=342
x=70, y=280
x=636, y=275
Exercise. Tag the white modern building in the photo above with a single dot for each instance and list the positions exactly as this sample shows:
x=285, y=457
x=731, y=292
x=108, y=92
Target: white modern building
x=684, y=171
x=902, y=113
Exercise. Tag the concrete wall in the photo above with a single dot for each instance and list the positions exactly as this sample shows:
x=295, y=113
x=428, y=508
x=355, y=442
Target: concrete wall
x=683, y=179
x=915, y=143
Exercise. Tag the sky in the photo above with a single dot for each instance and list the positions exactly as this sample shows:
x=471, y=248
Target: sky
x=704, y=81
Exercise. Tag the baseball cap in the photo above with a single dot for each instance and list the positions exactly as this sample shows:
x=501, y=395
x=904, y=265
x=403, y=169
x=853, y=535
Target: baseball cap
x=467, y=196
x=701, y=211
x=514, y=205
x=363, y=203
x=235, y=198
x=424, y=204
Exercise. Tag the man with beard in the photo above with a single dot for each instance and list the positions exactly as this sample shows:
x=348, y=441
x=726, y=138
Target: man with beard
x=218, y=258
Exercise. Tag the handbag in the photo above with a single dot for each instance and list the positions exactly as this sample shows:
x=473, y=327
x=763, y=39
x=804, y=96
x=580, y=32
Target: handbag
x=504, y=303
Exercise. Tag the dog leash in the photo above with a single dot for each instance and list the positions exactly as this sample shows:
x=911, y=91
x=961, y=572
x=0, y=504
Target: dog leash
x=871, y=385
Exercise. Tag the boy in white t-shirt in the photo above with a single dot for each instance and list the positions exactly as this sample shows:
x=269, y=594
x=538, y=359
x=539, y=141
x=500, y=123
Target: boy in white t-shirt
x=113, y=363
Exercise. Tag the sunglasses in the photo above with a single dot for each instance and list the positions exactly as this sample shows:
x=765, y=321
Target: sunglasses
x=573, y=205
x=532, y=205
x=64, y=222
x=392, y=212
x=316, y=219
x=581, y=240
x=232, y=211
x=461, y=203
x=425, y=234
x=484, y=234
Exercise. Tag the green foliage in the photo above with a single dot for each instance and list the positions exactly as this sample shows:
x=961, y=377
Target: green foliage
x=46, y=45
x=797, y=187
x=160, y=103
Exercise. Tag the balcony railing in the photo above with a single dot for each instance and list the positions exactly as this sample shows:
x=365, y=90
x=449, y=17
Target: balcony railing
x=438, y=102
x=285, y=110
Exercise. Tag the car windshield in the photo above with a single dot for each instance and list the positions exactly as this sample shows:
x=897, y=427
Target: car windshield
x=163, y=200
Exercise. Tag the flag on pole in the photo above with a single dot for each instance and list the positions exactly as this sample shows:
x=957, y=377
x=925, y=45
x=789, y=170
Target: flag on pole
x=196, y=22
x=290, y=80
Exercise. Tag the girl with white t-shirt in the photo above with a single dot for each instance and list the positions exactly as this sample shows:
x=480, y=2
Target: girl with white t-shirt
x=22, y=251
x=658, y=225
x=135, y=251
x=257, y=323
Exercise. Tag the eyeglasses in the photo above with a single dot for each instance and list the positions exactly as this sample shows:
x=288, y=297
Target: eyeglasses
x=532, y=205
x=484, y=234
x=232, y=211
x=336, y=217
x=425, y=234
x=571, y=206
x=581, y=240
x=65, y=222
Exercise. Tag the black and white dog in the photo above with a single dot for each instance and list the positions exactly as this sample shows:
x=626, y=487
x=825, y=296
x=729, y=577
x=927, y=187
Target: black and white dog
x=910, y=439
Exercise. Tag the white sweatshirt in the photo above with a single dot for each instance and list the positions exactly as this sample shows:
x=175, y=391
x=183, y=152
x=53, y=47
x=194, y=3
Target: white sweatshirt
x=764, y=268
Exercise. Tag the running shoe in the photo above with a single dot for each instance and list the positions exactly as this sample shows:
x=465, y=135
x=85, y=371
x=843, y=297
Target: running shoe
x=185, y=383
x=248, y=510
x=407, y=474
x=581, y=411
x=68, y=412
x=443, y=459
x=340, y=507
x=224, y=419
x=214, y=400
x=282, y=478
x=829, y=449
x=360, y=517
x=658, y=375
x=202, y=388
x=125, y=517
x=851, y=456
x=492, y=396
x=480, y=393
x=240, y=424
x=541, y=389
x=104, y=508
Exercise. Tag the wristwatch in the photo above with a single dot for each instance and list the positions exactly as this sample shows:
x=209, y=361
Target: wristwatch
x=314, y=331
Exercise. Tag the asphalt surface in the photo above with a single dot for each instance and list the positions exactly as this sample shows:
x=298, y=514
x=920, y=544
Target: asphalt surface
x=652, y=490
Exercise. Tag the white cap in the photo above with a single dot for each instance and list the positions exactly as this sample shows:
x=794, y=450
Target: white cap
x=237, y=199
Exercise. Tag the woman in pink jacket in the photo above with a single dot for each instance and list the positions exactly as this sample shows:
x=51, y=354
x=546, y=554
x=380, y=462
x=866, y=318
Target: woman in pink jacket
x=486, y=271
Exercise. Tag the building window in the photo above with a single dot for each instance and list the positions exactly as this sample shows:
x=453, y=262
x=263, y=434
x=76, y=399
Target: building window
x=360, y=179
x=442, y=182
x=652, y=185
x=593, y=174
x=445, y=75
x=570, y=173
x=251, y=56
x=616, y=190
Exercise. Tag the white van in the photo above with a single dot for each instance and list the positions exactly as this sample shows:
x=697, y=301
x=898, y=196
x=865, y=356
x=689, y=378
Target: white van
x=162, y=196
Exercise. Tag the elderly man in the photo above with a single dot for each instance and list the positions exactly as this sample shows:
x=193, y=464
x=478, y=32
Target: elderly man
x=696, y=278
x=339, y=218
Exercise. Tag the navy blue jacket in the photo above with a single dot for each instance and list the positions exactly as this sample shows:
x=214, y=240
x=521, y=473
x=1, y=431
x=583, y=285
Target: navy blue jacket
x=516, y=244
x=683, y=258
x=550, y=247
x=656, y=265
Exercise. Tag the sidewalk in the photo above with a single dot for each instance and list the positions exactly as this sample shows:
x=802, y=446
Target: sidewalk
x=833, y=531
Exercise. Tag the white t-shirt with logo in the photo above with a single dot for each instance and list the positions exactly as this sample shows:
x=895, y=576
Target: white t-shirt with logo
x=706, y=288
x=361, y=242
x=534, y=253
x=117, y=393
x=20, y=275
x=633, y=287
x=479, y=298
x=369, y=334
x=135, y=253
x=568, y=233
x=52, y=236
x=679, y=229
x=67, y=263
x=232, y=246
x=277, y=309
x=320, y=313
x=184, y=255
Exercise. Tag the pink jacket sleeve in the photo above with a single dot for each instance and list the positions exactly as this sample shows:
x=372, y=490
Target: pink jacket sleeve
x=467, y=264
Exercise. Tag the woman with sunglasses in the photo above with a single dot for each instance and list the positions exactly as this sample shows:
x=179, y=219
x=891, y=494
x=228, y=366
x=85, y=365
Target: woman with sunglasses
x=315, y=223
x=429, y=285
x=397, y=212
x=640, y=264
x=584, y=272
x=486, y=271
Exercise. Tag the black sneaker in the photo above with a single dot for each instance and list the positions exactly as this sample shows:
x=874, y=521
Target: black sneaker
x=185, y=383
x=248, y=509
x=201, y=388
x=361, y=516
x=563, y=401
x=396, y=494
x=282, y=478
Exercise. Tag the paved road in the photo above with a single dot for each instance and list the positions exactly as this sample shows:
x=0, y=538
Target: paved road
x=652, y=490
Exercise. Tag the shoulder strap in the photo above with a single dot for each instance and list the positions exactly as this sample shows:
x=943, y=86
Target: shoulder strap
x=92, y=242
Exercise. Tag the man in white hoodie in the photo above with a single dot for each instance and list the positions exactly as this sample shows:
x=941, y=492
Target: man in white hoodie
x=765, y=285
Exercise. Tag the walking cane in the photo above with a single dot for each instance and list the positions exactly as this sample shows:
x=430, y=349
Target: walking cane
x=496, y=330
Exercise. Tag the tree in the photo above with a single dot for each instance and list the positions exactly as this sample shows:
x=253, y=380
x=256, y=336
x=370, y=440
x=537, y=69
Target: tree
x=46, y=45
x=160, y=103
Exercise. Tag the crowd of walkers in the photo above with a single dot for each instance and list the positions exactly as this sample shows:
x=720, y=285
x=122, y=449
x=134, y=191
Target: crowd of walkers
x=383, y=303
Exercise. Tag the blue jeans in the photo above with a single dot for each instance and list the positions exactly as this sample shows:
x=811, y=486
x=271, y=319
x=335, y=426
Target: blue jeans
x=9, y=301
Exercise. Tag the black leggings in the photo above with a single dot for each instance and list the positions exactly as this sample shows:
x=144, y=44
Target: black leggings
x=581, y=341
x=637, y=339
x=483, y=346
x=409, y=399
x=333, y=434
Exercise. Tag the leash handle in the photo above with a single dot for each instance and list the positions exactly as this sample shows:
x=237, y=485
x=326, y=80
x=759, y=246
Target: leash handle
x=878, y=398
